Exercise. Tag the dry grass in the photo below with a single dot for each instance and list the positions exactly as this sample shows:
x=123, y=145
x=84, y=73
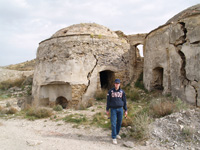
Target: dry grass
x=128, y=121
x=37, y=113
x=10, y=110
x=1, y=108
x=25, y=66
x=101, y=94
x=139, y=130
x=162, y=108
x=11, y=83
x=133, y=95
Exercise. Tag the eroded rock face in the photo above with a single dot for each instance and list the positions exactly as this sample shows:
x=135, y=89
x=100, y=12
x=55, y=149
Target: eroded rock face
x=78, y=60
x=172, y=58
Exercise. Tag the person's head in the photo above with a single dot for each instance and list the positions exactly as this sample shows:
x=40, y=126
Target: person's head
x=117, y=84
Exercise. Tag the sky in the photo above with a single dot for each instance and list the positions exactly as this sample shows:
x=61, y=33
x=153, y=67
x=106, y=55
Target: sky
x=25, y=23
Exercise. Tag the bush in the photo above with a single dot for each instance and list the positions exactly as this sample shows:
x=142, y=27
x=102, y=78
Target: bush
x=58, y=108
x=78, y=119
x=139, y=130
x=38, y=113
x=100, y=94
x=12, y=110
x=162, y=108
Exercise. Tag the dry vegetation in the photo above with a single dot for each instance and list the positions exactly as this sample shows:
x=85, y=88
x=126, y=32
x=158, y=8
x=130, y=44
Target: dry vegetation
x=5, y=85
x=25, y=66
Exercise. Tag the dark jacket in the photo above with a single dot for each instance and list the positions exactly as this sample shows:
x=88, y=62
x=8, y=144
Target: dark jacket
x=116, y=99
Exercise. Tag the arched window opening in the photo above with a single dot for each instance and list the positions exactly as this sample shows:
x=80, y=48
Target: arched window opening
x=158, y=78
x=107, y=78
x=62, y=101
x=139, y=51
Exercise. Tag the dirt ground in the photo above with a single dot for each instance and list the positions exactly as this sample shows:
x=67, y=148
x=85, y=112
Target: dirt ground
x=43, y=134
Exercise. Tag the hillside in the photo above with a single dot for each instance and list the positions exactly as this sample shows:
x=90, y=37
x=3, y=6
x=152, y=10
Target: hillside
x=24, y=66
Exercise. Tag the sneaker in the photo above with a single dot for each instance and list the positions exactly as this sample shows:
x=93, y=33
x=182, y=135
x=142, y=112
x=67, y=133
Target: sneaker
x=115, y=141
x=119, y=137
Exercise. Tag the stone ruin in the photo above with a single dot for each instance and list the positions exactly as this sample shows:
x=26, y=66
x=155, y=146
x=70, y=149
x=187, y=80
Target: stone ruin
x=81, y=59
x=172, y=57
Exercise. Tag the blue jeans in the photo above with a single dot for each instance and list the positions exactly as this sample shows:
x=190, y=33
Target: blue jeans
x=116, y=121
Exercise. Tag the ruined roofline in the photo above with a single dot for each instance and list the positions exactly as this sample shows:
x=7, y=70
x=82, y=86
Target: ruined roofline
x=166, y=24
x=193, y=10
x=99, y=36
x=137, y=34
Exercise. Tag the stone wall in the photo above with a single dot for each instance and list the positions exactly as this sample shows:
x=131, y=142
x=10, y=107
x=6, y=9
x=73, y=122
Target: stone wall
x=172, y=59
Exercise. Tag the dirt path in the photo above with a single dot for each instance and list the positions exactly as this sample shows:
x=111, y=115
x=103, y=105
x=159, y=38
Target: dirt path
x=43, y=134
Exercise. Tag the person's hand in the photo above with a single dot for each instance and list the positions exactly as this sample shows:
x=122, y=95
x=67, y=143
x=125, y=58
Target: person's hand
x=107, y=112
x=126, y=113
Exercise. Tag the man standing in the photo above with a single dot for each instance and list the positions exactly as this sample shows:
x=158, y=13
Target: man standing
x=116, y=102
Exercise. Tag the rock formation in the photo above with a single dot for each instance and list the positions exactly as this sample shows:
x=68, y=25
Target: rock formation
x=172, y=57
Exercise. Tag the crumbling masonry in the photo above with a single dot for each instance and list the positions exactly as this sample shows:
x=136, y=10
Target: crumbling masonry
x=83, y=58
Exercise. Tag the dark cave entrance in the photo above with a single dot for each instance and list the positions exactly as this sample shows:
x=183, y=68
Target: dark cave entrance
x=107, y=78
x=157, y=83
x=62, y=101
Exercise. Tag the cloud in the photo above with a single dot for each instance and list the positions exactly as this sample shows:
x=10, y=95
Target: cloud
x=25, y=23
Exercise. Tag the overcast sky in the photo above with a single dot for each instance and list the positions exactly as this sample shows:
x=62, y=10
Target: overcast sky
x=25, y=23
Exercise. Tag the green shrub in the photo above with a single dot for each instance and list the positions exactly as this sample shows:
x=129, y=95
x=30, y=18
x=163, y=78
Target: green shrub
x=78, y=119
x=100, y=119
x=139, y=130
x=58, y=108
x=180, y=105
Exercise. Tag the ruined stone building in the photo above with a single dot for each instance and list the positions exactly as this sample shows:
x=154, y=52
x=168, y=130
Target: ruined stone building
x=172, y=56
x=80, y=59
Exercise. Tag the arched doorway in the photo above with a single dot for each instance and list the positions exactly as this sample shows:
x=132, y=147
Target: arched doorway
x=62, y=101
x=157, y=83
x=107, y=78
x=139, y=52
